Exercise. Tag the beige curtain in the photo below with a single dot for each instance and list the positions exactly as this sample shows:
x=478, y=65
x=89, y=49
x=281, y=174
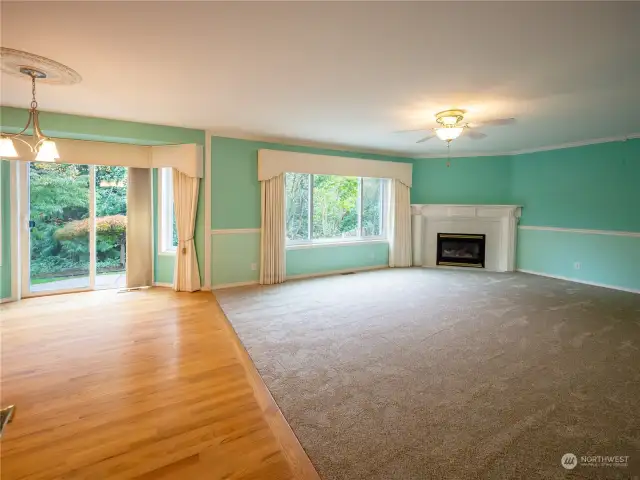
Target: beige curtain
x=139, y=230
x=186, y=277
x=399, y=225
x=272, y=234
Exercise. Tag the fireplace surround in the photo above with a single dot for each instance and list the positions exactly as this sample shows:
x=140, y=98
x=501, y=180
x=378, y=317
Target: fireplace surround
x=497, y=223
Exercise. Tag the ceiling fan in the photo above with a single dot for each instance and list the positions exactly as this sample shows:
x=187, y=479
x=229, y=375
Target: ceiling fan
x=451, y=126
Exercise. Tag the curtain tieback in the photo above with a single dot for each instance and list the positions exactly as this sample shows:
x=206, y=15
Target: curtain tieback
x=184, y=249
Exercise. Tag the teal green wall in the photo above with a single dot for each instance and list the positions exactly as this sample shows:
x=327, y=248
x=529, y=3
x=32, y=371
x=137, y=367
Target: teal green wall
x=5, y=221
x=484, y=180
x=235, y=204
x=605, y=259
x=590, y=187
x=232, y=256
x=309, y=261
x=595, y=187
x=100, y=129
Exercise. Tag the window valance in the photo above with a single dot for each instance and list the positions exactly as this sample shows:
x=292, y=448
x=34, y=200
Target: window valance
x=187, y=158
x=274, y=162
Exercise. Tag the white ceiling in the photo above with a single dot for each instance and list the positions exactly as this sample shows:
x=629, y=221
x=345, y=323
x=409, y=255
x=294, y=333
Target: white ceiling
x=343, y=74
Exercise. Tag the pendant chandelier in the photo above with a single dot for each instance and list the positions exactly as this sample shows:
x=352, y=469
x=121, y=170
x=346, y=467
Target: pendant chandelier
x=16, y=62
x=42, y=146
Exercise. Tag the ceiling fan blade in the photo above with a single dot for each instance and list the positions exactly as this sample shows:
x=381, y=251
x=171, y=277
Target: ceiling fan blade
x=472, y=134
x=409, y=131
x=496, y=122
x=422, y=140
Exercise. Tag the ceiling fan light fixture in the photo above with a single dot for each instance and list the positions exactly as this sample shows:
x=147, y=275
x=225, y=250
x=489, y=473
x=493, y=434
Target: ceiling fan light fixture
x=449, y=120
x=448, y=133
x=7, y=148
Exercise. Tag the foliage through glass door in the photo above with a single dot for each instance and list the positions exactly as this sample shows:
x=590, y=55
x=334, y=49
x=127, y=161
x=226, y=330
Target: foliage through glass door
x=59, y=201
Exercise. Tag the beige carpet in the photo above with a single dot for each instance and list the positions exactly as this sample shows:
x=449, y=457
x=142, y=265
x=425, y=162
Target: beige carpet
x=419, y=373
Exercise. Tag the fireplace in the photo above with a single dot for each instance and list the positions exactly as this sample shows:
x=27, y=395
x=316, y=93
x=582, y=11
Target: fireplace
x=461, y=250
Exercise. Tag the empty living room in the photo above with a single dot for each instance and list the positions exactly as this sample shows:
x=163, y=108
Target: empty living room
x=337, y=240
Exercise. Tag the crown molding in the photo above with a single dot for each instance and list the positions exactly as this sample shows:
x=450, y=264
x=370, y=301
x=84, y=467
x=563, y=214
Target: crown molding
x=561, y=146
x=225, y=133
x=620, y=138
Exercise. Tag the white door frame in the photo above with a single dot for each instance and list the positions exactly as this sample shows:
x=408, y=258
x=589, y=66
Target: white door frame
x=25, y=237
x=16, y=281
x=92, y=227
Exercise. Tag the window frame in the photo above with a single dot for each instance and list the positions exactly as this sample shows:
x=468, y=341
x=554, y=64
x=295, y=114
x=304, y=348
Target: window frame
x=357, y=240
x=165, y=212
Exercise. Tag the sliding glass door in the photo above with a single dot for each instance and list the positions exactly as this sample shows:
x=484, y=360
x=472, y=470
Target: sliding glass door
x=74, y=227
x=111, y=227
x=59, y=227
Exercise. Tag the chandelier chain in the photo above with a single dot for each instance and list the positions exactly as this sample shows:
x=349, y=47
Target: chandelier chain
x=34, y=102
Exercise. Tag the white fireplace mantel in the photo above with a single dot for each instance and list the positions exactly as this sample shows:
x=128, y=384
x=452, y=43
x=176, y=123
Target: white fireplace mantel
x=498, y=223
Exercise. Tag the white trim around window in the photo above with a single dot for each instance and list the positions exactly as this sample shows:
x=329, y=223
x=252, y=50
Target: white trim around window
x=336, y=243
x=311, y=242
x=165, y=212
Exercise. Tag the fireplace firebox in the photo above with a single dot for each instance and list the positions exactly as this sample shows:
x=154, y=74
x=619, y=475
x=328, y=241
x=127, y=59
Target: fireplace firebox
x=461, y=250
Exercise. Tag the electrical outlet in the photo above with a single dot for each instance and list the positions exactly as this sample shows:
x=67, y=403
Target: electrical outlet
x=254, y=266
x=577, y=265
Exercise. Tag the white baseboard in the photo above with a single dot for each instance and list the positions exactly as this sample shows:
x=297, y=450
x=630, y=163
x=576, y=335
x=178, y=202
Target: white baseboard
x=7, y=300
x=575, y=280
x=336, y=272
x=231, y=285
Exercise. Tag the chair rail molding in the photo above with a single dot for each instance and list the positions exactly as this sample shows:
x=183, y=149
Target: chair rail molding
x=581, y=231
x=499, y=223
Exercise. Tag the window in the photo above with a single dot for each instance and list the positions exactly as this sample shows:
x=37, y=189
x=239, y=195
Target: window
x=333, y=208
x=167, y=232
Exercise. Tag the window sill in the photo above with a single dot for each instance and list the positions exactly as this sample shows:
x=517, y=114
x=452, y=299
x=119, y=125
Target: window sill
x=338, y=243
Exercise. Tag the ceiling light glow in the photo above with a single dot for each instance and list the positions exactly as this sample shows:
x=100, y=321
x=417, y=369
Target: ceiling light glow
x=448, y=133
x=7, y=148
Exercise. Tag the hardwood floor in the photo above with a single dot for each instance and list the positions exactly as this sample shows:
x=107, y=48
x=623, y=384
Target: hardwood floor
x=150, y=384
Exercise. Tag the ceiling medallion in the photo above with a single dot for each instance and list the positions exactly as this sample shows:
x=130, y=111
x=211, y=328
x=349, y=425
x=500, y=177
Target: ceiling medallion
x=13, y=61
x=41, y=69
